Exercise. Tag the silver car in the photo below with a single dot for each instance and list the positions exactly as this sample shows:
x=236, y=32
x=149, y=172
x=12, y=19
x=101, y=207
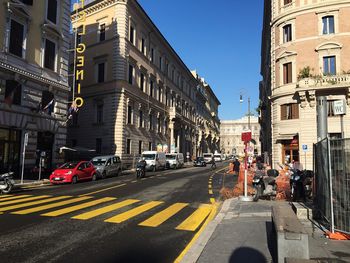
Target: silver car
x=108, y=165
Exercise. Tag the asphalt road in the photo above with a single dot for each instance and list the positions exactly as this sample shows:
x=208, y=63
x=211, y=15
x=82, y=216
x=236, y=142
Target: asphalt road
x=118, y=219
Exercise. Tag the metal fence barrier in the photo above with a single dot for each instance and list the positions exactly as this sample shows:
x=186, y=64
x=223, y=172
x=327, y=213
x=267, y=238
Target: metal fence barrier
x=332, y=183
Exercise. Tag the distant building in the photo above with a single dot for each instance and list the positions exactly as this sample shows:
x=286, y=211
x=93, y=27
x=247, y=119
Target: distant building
x=207, y=122
x=305, y=54
x=231, y=135
x=33, y=81
x=138, y=93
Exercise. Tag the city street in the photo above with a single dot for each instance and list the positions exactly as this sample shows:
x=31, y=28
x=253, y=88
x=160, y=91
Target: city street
x=118, y=219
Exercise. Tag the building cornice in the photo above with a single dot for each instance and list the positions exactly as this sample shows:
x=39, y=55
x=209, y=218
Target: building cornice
x=33, y=76
x=306, y=9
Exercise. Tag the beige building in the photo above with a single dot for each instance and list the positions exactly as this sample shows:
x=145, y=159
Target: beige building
x=231, y=135
x=33, y=81
x=207, y=122
x=138, y=93
x=305, y=54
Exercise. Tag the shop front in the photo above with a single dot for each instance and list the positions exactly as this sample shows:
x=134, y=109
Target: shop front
x=290, y=150
x=10, y=147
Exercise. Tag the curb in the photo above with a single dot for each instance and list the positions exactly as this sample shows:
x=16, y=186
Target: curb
x=196, y=250
x=34, y=183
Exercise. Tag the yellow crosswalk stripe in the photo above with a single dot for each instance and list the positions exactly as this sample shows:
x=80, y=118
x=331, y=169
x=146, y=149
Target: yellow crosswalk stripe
x=45, y=207
x=4, y=196
x=23, y=200
x=14, y=197
x=105, y=209
x=13, y=207
x=194, y=220
x=78, y=207
x=133, y=212
x=164, y=215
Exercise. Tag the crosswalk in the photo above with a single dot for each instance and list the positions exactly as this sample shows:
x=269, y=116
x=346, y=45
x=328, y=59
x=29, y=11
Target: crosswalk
x=88, y=207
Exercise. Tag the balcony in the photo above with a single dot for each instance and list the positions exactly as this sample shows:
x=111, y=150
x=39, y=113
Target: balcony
x=324, y=82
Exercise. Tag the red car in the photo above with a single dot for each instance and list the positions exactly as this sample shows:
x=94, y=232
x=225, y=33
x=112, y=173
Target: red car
x=72, y=172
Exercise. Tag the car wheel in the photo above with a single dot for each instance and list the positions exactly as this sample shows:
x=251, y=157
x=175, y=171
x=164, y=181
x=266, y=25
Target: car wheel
x=94, y=177
x=74, y=179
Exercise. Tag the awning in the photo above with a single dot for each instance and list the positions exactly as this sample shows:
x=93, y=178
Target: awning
x=286, y=136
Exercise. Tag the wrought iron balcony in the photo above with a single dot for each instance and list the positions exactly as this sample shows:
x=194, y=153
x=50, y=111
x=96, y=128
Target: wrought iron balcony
x=333, y=81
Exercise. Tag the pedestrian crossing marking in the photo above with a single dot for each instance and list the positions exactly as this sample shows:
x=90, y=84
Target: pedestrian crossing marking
x=23, y=200
x=4, y=196
x=14, y=197
x=133, y=212
x=13, y=207
x=105, y=209
x=30, y=204
x=45, y=207
x=194, y=220
x=164, y=215
x=78, y=207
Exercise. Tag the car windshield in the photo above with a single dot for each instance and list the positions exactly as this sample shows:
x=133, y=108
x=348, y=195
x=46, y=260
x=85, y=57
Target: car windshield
x=199, y=159
x=170, y=157
x=69, y=165
x=207, y=155
x=149, y=156
x=217, y=155
x=99, y=161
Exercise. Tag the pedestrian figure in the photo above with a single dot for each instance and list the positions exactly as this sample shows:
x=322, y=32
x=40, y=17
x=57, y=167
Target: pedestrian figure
x=236, y=166
x=213, y=165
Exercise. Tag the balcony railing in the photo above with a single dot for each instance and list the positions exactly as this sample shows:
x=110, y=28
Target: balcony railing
x=325, y=81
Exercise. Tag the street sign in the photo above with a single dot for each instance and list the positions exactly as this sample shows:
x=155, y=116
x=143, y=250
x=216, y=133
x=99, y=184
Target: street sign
x=305, y=147
x=339, y=107
x=246, y=136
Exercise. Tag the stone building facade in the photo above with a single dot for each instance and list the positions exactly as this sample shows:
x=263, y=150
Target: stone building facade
x=207, y=121
x=305, y=51
x=33, y=81
x=138, y=93
x=231, y=135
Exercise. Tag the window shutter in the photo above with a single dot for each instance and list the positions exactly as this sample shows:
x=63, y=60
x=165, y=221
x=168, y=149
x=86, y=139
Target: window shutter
x=295, y=111
x=289, y=72
x=283, y=112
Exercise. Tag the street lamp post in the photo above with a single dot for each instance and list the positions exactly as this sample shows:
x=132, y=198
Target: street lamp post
x=246, y=198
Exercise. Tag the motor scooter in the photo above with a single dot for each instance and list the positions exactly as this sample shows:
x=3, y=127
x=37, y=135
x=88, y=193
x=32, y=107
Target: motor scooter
x=6, y=182
x=140, y=169
x=265, y=186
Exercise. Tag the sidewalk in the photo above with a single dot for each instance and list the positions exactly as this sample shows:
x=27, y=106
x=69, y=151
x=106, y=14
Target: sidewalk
x=242, y=232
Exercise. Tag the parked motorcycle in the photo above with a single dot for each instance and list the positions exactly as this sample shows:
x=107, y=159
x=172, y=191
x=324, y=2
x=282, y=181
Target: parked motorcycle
x=265, y=186
x=140, y=169
x=300, y=184
x=6, y=182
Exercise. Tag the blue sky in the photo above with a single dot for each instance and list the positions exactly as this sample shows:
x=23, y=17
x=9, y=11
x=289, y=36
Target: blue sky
x=221, y=40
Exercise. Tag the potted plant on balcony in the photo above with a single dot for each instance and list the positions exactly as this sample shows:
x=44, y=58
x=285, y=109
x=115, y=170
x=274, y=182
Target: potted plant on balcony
x=305, y=77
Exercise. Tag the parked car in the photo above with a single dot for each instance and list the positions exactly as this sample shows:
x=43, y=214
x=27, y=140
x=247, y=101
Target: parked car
x=208, y=157
x=175, y=160
x=72, y=172
x=108, y=165
x=155, y=160
x=199, y=161
x=217, y=157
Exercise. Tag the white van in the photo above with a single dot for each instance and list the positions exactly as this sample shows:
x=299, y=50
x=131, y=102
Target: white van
x=175, y=160
x=154, y=160
x=217, y=157
x=207, y=157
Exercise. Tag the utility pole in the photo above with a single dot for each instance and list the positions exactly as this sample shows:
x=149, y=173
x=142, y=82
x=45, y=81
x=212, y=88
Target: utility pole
x=322, y=114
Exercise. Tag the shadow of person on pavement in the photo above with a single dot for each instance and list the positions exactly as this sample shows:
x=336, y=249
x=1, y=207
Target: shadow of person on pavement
x=247, y=255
